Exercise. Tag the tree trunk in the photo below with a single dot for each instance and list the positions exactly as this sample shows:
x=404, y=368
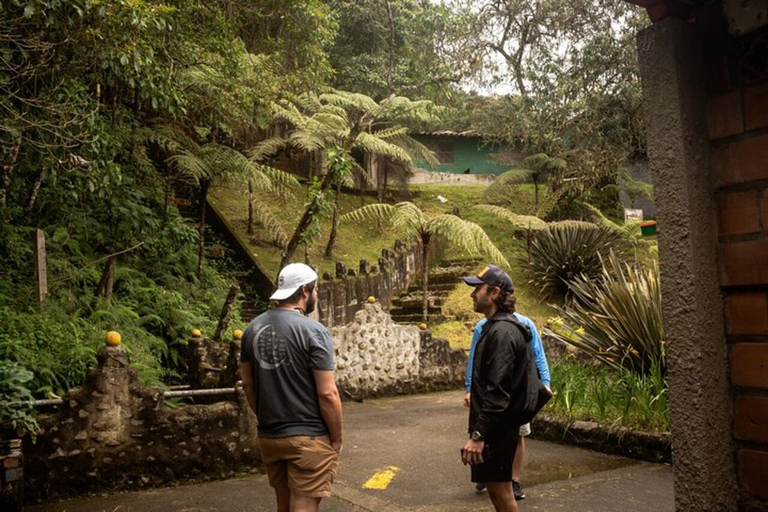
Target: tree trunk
x=536, y=192
x=203, y=194
x=250, y=207
x=105, y=286
x=335, y=223
x=304, y=223
x=226, y=311
x=166, y=200
x=35, y=190
x=424, y=277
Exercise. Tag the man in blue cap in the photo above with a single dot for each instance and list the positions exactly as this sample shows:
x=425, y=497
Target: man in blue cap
x=498, y=387
x=540, y=359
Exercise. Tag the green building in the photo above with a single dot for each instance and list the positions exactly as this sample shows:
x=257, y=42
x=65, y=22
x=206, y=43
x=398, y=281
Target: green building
x=461, y=153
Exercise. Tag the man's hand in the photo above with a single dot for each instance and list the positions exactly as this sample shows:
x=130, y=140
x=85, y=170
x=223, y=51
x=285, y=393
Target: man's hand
x=473, y=452
x=337, y=446
x=466, y=399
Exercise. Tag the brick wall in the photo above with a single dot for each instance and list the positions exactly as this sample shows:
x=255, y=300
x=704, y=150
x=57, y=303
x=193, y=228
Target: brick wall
x=737, y=115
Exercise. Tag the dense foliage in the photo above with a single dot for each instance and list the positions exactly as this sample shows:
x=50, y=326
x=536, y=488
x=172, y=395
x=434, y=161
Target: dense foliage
x=95, y=97
x=117, y=117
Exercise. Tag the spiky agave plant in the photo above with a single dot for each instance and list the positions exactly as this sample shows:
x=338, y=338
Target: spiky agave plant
x=410, y=222
x=616, y=319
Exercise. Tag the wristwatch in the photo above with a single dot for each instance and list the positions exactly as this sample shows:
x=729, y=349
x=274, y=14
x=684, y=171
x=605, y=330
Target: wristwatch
x=477, y=436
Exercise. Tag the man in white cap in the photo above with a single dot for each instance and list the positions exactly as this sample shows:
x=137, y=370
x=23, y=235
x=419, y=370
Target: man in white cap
x=287, y=367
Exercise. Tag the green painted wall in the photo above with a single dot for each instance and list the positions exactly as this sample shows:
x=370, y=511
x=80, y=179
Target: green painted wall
x=466, y=152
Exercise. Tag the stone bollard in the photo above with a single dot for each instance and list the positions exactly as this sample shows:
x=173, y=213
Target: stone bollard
x=231, y=373
x=341, y=270
x=108, y=410
x=206, y=362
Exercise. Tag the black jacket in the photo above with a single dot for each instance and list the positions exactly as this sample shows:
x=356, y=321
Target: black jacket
x=499, y=375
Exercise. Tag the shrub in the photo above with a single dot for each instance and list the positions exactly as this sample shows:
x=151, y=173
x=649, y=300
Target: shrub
x=17, y=411
x=593, y=392
x=565, y=250
x=617, y=318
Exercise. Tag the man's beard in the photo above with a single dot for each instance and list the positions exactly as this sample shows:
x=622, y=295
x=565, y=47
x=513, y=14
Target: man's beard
x=311, y=303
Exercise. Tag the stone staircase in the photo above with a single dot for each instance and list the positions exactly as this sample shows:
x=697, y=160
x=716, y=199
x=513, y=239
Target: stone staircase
x=407, y=308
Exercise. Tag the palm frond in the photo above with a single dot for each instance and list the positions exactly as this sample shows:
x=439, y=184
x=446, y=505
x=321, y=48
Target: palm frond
x=266, y=148
x=514, y=177
x=305, y=141
x=409, y=218
x=630, y=230
x=264, y=216
x=287, y=111
x=417, y=150
x=522, y=221
x=376, y=211
x=189, y=167
x=388, y=133
x=486, y=246
x=348, y=100
x=371, y=144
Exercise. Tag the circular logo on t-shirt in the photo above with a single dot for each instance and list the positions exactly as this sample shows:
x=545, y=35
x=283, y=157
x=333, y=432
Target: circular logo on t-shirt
x=271, y=351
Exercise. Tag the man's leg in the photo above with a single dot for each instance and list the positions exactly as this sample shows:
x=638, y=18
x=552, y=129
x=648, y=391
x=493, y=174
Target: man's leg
x=283, y=495
x=502, y=497
x=517, y=463
x=304, y=504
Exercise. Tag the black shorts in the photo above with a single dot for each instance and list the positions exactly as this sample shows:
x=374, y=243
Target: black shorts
x=498, y=466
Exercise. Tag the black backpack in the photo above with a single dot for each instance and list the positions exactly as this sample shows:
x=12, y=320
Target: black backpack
x=537, y=395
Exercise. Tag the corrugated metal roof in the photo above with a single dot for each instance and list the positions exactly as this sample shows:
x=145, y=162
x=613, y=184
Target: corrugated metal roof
x=450, y=133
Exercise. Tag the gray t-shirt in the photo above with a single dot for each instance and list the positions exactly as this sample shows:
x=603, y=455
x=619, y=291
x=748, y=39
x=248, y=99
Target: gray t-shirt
x=284, y=347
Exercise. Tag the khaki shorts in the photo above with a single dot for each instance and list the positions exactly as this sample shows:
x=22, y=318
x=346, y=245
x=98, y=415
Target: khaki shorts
x=305, y=465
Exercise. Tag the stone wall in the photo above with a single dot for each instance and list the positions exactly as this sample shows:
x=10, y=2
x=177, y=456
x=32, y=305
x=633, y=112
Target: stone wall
x=114, y=434
x=375, y=357
x=340, y=298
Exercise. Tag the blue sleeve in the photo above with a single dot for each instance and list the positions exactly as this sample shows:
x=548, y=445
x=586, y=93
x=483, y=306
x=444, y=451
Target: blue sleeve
x=537, y=348
x=539, y=356
x=475, y=337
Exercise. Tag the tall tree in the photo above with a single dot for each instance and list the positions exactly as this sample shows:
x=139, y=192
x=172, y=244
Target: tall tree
x=399, y=47
x=573, y=69
x=345, y=121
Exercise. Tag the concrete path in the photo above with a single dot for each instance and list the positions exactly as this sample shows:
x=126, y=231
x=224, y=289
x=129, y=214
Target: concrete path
x=415, y=441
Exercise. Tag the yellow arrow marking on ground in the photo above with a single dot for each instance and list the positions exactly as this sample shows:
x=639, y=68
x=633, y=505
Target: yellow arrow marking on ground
x=381, y=479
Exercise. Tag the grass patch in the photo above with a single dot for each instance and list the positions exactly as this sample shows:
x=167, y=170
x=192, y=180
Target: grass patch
x=592, y=392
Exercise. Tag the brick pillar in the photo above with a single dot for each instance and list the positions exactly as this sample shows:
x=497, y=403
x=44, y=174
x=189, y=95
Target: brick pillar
x=700, y=398
x=738, y=118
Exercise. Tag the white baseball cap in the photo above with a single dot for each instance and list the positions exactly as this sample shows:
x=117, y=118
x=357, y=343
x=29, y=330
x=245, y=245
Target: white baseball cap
x=291, y=278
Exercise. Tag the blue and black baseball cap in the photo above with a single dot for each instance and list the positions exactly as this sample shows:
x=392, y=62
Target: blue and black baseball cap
x=492, y=276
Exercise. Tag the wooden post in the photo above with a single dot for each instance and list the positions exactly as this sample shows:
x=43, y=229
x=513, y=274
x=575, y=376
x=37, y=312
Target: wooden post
x=226, y=312
x=41, y=271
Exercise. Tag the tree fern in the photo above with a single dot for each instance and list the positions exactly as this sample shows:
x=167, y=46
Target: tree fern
x=521, y=221
x=410, y=222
